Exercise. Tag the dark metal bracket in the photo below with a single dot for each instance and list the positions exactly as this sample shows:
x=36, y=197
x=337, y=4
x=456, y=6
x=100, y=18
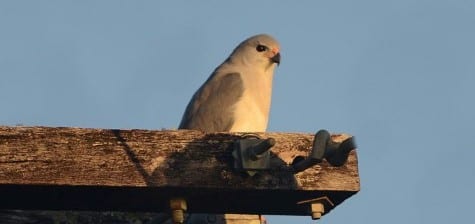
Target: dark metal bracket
x=252, y=154
x=325, y=148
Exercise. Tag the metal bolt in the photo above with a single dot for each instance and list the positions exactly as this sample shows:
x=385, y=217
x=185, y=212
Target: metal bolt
x=317, y=210
x=178, y=216
x=178, y=207
x=257, y=151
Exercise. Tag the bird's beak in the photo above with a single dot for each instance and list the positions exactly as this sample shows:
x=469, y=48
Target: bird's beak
x=276, y=58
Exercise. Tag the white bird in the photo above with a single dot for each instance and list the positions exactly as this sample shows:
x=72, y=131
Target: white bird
x=237, y=95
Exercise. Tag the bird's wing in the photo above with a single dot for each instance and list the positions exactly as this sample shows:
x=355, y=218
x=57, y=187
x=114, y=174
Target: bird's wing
x=211, y=108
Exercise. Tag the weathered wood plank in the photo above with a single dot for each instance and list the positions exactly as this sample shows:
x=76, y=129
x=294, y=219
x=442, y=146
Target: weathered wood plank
x=140, y=170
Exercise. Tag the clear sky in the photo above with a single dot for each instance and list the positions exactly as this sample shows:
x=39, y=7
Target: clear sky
x=399, y=75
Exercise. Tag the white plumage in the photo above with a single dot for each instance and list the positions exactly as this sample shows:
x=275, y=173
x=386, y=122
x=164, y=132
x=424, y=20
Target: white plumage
x=237, y=95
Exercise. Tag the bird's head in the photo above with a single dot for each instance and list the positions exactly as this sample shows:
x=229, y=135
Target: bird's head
x=261, y=50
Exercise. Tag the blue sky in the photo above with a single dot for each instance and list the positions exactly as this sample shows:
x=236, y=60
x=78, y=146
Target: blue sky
x=399, y=75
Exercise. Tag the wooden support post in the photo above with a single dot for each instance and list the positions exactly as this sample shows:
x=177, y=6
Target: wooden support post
x=43, y=168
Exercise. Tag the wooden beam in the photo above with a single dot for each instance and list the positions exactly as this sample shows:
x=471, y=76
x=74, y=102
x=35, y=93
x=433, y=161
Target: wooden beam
x=44, y=168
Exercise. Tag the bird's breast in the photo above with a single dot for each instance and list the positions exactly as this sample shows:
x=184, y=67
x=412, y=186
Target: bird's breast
x=251, y=113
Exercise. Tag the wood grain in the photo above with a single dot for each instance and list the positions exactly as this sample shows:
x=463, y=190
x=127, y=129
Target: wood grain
x=140, y=170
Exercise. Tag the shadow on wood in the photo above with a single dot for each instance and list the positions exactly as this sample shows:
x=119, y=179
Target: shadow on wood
x=140, y=170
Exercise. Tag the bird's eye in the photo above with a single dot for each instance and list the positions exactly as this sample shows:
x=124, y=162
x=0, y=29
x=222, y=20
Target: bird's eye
x=261, y=48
